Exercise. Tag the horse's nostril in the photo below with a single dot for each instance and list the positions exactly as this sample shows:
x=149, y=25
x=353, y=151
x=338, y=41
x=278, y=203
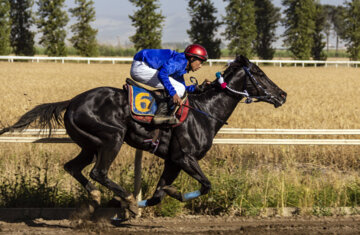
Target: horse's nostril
x=283, y=95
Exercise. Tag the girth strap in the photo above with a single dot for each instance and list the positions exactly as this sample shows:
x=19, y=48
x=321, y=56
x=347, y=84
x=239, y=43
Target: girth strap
x=155, y=141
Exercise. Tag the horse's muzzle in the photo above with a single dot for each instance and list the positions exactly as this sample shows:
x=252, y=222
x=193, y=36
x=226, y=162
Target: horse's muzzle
x=279, y=100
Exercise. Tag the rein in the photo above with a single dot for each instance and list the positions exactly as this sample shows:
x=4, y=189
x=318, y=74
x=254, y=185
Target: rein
x=245, y=93
x=206, y=114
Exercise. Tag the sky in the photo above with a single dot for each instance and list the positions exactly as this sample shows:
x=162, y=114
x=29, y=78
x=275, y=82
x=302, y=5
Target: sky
x=114, y=26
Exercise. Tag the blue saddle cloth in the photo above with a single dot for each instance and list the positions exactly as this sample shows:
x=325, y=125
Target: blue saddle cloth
x=141, y=101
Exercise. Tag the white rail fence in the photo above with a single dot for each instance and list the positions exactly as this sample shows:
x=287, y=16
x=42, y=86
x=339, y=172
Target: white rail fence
x=114, y=60
x=37, y=136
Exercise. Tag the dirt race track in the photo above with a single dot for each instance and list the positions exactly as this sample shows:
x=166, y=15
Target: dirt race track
x=190, y=225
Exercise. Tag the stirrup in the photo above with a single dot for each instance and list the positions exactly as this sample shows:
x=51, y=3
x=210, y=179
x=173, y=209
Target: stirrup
x=162, y=119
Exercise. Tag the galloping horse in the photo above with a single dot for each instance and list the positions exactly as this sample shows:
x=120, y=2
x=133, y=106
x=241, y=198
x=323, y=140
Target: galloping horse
x=99, y=121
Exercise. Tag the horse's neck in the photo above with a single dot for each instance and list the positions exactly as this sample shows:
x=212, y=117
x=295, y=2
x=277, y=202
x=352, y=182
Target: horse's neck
x=216, y=103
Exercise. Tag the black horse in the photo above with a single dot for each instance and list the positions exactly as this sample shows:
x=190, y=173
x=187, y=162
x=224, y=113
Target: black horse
x=99, y=121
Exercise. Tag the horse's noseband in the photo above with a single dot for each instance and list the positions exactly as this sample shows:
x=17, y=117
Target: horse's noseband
x=245, y=93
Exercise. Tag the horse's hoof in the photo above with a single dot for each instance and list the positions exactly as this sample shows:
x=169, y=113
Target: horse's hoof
x=121, y=216
x=95, y=195
x=132, y=205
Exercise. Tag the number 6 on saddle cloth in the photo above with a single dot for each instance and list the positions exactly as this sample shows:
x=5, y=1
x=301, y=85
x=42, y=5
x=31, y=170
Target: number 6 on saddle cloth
x=142, y=102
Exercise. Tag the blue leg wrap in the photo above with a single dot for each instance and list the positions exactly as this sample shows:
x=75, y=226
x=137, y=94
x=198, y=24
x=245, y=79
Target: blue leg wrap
x=142, y=203
x=191, y=195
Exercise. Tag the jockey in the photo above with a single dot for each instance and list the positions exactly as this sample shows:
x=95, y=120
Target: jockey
x=165, y=69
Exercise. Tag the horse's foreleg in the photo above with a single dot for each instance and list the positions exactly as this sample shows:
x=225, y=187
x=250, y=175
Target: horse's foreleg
x=191, y=167
x=171, y=171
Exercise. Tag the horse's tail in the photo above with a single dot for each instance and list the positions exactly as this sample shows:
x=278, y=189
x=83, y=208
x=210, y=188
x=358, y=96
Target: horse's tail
x=45, y=115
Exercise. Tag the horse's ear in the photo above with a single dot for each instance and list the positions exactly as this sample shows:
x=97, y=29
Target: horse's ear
x=243, y=60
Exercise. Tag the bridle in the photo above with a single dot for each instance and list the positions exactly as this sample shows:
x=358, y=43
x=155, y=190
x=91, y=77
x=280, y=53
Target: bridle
x=245, y=93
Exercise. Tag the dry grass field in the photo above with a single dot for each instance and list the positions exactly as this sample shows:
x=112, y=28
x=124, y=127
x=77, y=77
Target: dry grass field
x=318, y=98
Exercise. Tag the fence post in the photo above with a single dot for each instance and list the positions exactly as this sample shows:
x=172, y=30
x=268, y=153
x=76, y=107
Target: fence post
x=137, y=178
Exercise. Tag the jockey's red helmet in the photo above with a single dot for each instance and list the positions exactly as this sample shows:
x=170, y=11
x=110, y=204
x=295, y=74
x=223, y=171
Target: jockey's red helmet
x=196, y=50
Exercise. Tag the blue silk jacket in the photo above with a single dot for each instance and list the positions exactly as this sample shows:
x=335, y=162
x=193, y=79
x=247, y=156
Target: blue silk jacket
x=168, y=63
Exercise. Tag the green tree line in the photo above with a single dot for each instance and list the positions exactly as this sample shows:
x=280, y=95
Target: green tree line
x=249, y=27
x=17, y=18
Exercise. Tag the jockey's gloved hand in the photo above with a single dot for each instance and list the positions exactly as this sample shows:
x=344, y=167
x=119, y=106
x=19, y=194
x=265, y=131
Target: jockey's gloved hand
x=176, y=99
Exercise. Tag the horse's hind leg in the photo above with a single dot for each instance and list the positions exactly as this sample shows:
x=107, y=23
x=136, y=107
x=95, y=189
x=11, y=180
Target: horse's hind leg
x=105, y=157
x=75, y=167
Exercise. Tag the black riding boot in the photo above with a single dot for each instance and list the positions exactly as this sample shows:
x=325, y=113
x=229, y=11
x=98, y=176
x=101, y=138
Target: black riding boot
x=163, y=113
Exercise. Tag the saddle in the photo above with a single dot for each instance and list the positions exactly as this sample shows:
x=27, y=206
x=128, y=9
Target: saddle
x=143, y=103
x=143, y=107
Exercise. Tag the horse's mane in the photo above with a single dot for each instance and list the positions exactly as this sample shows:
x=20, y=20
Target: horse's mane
x=238, y=63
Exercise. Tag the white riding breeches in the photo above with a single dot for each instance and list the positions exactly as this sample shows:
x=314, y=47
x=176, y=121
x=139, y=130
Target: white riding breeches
x=142, y=73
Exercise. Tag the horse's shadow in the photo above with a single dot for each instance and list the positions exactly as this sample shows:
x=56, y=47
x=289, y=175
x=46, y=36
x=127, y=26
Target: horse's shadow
x=33, y=223
x=88, y=225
